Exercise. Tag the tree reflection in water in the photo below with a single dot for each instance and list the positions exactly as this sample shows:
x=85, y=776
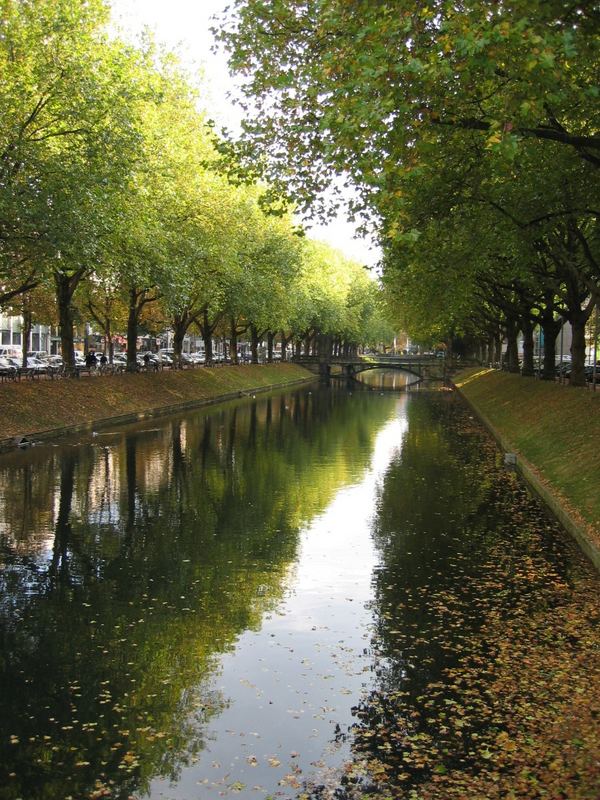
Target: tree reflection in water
x=138, y=558
x=471, y=572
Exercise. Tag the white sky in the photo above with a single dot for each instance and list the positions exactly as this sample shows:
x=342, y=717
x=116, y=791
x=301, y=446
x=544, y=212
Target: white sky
x=183, y=26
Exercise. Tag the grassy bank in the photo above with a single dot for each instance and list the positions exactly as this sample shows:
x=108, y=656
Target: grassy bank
x=33, y=407
x=555, y=428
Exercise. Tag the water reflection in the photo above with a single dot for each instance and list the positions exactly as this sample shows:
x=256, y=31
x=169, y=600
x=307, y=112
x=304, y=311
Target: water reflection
x=239, y=602
x=470, y=567
x=395, y=380
x=131, y=562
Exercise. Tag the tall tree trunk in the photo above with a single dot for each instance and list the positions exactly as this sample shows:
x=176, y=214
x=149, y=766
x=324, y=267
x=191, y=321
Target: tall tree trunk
x=64, y=293
x=26, y=329
x=490, y=348
x=527, y=329
x=550, y=330
x=307, y=341
x=324, y=345
x=207, y=331
x=181, y=322
x=497, y=349
x=233, y=341
x=578, y=322
x=132, y=326
x=285, y=340
x=270, y=341
x=254, y=339
x=298, y=348
x=109, y=340
x=512, y=347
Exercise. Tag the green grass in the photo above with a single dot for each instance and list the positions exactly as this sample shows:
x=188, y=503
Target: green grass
x=30, y=407
x=556, y=428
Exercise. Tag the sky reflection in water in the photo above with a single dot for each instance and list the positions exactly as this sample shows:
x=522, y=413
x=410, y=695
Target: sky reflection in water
x=290, y=687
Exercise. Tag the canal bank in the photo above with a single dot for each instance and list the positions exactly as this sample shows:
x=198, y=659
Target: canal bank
x=44, y=409
x=554, y=433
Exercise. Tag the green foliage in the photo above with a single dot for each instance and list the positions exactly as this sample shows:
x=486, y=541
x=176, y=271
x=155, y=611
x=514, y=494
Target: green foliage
x=470, y=136
x=111, y=177
x=67, y=132
x=327, y=90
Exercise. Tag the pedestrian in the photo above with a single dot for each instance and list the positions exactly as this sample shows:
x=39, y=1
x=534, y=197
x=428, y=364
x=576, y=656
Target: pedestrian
x=103, y=359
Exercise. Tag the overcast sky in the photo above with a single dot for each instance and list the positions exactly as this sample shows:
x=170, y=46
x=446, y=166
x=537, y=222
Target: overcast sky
x=183, y=26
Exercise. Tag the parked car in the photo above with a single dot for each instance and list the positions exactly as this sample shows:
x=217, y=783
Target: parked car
x=34, y=365
x=37, y=366
x=7, y=370
x=167, y=356
x=564, y=369
x=9, y=351
x=152, y=358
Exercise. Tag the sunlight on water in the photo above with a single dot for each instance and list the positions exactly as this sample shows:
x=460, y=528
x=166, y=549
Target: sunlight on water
x=289, y=687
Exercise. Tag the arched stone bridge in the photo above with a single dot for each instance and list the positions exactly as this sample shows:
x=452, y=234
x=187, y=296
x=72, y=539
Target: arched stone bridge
x=426, y=368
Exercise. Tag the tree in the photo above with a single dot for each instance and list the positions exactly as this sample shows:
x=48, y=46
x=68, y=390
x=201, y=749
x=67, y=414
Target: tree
x=262, y=294
x=365, y=90
x=425, y=109
x=68, y=135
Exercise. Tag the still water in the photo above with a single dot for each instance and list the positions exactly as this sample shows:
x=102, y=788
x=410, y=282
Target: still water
x=389, y=379
x=206, y=605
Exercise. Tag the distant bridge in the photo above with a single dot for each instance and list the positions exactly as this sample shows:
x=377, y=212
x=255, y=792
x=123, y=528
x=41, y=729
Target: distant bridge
x=425, y=368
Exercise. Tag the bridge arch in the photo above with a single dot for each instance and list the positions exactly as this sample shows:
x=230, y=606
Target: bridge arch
x=355, y=368
x=422, y=368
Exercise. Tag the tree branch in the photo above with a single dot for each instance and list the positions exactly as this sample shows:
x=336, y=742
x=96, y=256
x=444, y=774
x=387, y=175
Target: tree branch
x=560, y=135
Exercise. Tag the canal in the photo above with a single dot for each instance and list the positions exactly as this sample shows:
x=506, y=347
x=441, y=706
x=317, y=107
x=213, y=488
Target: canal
x=276, y=598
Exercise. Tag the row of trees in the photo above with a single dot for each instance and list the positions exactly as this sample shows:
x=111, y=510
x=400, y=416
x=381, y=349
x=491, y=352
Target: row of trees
x=114, y=206
x=471, y=136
